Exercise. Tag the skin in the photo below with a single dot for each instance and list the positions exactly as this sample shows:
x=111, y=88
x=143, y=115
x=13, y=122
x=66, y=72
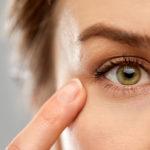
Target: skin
x=119, y=122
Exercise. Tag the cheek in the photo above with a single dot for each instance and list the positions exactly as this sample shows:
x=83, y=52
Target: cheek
x=106, y=124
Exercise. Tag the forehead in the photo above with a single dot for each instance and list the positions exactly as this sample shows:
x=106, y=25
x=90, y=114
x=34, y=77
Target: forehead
x=131, y=14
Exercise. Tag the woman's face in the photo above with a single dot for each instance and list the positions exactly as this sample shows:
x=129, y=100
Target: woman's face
x=106, y=44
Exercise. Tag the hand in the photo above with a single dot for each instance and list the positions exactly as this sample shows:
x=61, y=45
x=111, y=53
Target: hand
x=53, y=117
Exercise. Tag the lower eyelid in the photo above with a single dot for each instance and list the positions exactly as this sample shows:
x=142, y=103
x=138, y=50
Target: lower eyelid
x=120, y=91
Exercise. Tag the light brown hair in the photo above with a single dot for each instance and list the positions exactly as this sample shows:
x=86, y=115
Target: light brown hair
x=32, y=19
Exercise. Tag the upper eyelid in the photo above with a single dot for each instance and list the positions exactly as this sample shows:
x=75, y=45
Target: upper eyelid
x=145, y=64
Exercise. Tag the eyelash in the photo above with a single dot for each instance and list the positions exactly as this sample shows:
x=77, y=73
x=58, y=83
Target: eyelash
x=136, y=61
x=117, y=90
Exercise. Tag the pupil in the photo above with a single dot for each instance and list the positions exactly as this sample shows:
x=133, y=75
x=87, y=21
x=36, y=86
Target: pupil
x=129, y=72
x=128, y=75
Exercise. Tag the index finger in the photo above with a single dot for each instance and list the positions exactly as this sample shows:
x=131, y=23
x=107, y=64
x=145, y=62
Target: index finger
x=57, y=113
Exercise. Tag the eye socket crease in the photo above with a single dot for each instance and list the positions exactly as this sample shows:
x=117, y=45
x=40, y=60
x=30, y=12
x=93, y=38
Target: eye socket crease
x=115, y=34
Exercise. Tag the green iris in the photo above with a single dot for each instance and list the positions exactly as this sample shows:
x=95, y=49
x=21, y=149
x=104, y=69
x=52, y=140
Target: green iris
x=128, y=75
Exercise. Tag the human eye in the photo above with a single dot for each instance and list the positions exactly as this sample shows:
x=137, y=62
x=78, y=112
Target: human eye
x=125, y=76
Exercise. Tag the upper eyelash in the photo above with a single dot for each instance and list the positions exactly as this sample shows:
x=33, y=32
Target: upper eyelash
x=124, y=60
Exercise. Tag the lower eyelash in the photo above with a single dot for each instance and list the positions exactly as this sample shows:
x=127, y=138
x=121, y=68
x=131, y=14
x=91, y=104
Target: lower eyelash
x=118, y=91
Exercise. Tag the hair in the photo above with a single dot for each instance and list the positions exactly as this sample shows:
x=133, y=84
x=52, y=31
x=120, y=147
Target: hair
x=32, y=19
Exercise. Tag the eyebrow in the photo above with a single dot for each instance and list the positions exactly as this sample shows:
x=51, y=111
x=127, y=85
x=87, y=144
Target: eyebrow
x=115, y=34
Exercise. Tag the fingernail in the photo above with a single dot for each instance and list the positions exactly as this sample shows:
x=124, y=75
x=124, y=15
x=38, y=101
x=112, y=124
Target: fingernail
x=71, y=91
